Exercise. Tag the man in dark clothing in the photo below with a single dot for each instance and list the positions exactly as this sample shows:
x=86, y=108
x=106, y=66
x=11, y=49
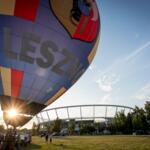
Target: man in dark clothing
x=50, y=138
x=46, y=137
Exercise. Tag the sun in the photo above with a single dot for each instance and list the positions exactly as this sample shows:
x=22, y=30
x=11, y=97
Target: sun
x=12, y=113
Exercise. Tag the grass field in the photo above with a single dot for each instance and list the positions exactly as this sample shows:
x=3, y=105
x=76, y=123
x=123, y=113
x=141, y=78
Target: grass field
x=92, y=143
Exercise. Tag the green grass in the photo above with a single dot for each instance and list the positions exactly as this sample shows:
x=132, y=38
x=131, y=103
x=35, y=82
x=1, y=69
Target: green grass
x=92, y=143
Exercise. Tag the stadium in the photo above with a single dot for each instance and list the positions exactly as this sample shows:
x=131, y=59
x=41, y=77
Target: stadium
x=99, y=114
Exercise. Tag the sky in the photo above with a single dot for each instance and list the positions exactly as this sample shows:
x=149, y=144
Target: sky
x=120, y=71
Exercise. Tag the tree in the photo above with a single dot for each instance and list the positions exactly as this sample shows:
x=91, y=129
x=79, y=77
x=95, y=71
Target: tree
x=2, y=129
x=71, y=127
x=57, y=125
x=119, y=122
x=88, y=129
x=139, y=120
x=48, y=127
x=147, y=109
x=129, y=125
x=97, y=127
x=35, y=128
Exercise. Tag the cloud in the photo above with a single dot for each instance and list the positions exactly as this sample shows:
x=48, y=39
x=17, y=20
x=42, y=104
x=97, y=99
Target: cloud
x=118, y=63
x=143, y=93
x=137, y=51
x=106, y=82
x=106, y=99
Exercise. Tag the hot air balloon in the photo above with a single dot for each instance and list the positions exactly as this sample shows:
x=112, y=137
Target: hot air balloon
x=45, y=46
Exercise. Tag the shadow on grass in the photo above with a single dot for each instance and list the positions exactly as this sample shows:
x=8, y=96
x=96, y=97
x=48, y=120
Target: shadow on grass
x=66, y=147
x=32, y=147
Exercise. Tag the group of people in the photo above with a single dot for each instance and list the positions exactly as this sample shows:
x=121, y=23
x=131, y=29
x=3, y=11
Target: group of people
x=12, y=141
x=7, y=141
x=48, y=137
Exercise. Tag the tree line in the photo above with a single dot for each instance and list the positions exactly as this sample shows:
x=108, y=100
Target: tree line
x=137, y=121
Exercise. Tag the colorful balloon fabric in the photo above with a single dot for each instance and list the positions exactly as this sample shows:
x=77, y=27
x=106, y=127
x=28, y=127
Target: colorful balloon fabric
x=45, y=46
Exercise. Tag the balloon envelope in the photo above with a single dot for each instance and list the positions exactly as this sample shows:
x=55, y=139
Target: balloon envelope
x=45, y=46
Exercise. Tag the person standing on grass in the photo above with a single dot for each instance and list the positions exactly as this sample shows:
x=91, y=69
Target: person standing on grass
x=50, y=138
x=46, y=137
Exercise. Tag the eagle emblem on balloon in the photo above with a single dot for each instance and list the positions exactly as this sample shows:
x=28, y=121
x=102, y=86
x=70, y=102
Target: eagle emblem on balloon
x=79, y=17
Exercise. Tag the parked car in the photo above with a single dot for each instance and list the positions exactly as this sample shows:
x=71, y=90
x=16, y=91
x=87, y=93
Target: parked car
x=25, y=138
